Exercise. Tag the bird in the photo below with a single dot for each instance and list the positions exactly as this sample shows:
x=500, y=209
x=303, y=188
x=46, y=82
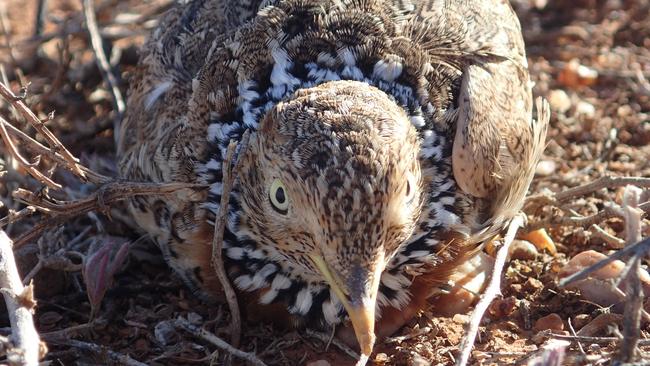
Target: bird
x=388, y=140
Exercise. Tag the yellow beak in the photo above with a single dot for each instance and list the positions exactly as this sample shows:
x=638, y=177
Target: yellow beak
x=359, y=299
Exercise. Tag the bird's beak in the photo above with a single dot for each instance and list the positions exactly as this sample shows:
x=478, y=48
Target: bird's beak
x=358, y=293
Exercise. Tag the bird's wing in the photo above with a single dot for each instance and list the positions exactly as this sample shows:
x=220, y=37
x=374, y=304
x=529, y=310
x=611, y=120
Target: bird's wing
x=158, y=142
x=497, y=143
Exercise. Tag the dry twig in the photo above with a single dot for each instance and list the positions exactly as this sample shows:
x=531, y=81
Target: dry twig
x=608, y=212
x=637, y=248
x=20, y=303
x=229, y=176
x=633, y=292
x=204, y=334
x=60, y=212
x=37, y=148
x=490, y=293
x=103, y=64
x=640, y=248
x=586, y=339
x=118, y=358
x=555, y=199
x=330, y=340
x=29, y=167
x=34, y=121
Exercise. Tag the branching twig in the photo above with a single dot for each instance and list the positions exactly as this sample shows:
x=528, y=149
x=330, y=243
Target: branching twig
x=29, y=167
x=633, y=292
x=614, y=242
x=32, y=119
x=641, y=248
x=103, y=64
x=328, y=339
x=61, y=211
x=14, y=216
x=118, y=358
x=598, y=184
x=490, y=293
x=608, y=212
x=36, y=147
x=204, y=334
x=229, y=176
x=586, y=339
x=20, y=303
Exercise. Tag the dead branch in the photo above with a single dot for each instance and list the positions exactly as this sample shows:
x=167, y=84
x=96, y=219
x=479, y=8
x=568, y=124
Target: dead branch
x=586, y=339
x=103, y=64
x=329, y=339
x=29, y=167
x=633, y=292
x=20, y=304
x=59, y=212
x=37, y=148
x=546, y=198
x=609, y=211
x=182, y=323
x=614, y=242
x=34, y=121
x=229, y=176
x=14, y=216
x=119, y=358
x=70, y=331
x=641, y=248
x=492, y=290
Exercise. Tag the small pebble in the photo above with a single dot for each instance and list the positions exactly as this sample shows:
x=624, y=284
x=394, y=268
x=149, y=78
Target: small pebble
x=419, y=361
x=545, y=168
x=194, y=318
x=318, y=363
x=550, y=322
x=461, y=319
x=502, y=308
x=49, y=318
x=559, y=100
x=585, y=109
x=576, y=75
x=522, y=249
x=165, y=333
x=381, y=358
x=533, y=284
x=580, y=321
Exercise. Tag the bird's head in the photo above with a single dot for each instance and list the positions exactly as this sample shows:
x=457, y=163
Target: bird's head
x=331, y=187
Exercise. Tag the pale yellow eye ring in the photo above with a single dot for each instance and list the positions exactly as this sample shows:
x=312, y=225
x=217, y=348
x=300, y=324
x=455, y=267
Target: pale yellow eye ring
x=278, y=196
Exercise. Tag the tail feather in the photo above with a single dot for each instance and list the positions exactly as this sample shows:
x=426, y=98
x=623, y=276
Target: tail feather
x=510, y=198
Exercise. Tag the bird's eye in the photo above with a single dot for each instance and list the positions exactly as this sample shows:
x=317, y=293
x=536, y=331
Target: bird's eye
x=410, y=187
x=278, y=197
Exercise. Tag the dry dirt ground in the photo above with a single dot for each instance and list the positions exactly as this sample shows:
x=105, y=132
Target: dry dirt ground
x=590, y=58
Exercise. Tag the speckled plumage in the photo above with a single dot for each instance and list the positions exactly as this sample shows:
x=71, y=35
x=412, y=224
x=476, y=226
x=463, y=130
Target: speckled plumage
x=402, y=134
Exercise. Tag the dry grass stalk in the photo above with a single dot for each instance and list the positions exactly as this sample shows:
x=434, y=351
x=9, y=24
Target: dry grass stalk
x=102, y=62
x=633, y=291
x=116, y=357
x=330, y=339
x=229, y=176
x=213, y=339
x=492, y=290
x=60, y=212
